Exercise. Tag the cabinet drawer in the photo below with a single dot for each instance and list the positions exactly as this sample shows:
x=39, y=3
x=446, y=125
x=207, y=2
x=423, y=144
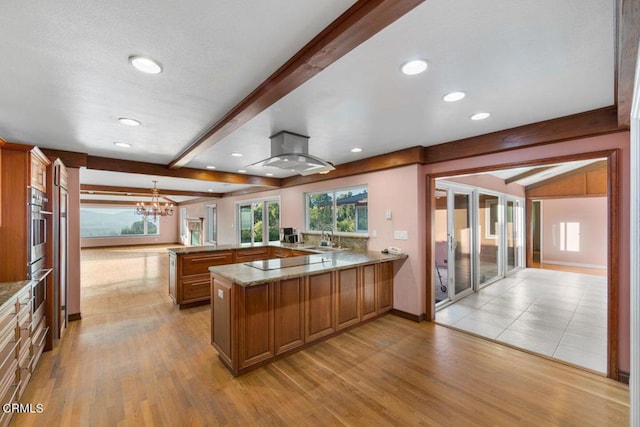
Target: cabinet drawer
x=200, y=263
x=252, y=254
x=196, y=287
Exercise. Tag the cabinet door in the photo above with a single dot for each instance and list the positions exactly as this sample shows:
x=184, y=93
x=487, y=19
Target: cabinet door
x=196, y=288
x=347, y=298
x=199, y=263
x=319, y=306
x=252, y=254
x=222, y=319
x=173, y=277
x=255, y=324
x=289, y=314
x=385, y=287
x=368, y=305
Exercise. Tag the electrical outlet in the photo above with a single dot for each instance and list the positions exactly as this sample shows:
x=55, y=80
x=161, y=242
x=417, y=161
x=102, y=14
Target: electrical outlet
x=401, y=235
x=374, y=233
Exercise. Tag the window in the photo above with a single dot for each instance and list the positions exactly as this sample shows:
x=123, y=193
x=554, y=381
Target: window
x=491, y=216
x=111, y=222
x=344, y=210
x=259, y=221
x=212, y=223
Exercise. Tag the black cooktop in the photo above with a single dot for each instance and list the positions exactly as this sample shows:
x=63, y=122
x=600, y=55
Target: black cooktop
x=276, y=264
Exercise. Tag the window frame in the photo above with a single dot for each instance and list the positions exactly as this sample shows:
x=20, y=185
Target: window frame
x=334, y=210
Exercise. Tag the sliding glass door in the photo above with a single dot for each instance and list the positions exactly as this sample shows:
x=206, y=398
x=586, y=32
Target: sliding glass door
x=513, y=223
x=478, y=239
x=259, y=221
x=454, y=243
x=489, y=235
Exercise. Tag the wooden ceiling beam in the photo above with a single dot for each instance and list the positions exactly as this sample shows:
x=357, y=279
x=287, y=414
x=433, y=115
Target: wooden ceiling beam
x=591, y=123
x=71, y=159
x=627, y=55
x=129, y=166
x=359, y=23
x=146, y=192
x=527, y=174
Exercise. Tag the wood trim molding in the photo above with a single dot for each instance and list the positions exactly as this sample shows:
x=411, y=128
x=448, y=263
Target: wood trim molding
x=590, y=123
x=136, y=191
x=527, y=174
x=75, y=316
x=613, y=188
x=409, y=316
x=406, y=157
x=129, y=166
x=628, y=33
x=359, y=23
x=199, y=200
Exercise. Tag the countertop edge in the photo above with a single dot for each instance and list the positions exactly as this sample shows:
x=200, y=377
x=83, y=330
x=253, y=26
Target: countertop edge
x=9, y=290
x=230, y=271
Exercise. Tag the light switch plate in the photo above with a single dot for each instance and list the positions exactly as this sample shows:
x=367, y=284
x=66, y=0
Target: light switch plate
x=220, y=294
x=401, y=235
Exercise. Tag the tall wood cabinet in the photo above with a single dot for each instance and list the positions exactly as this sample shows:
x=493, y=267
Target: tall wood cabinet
x=57, y=250
x=23, y=166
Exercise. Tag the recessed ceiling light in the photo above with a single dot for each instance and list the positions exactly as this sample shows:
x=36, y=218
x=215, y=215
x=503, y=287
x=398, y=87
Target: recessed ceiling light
x=146, y=65
x=236, y=154
x=129, y=122
x=210, y=167
x=122, y=144
x=356, y=150
x=454, y=96
x=242, y=171
x=413, y=67
x=480, y=116
x=210, y=190
x=269, y=174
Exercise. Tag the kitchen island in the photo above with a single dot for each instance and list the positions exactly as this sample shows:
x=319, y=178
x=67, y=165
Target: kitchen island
x=189, y=266
x=264, y=310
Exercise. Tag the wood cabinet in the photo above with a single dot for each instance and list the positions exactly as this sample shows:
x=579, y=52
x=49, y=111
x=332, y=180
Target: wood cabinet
x=252, y=325
x=189, y=280
x=348, y=304
x=252, y=254
x=21, y=344
x=319, y=306
x=17, y=164
x=289, y=314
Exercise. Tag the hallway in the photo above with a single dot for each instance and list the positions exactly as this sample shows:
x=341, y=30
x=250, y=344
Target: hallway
x=557, y=314
x=135, y=359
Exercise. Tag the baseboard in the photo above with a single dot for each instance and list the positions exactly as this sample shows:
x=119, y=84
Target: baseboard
x=575, y=264
x=623, y=377
x=415, y=317
x=75, y=316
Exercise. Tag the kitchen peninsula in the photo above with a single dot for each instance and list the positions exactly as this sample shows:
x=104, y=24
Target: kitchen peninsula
x=264, y=310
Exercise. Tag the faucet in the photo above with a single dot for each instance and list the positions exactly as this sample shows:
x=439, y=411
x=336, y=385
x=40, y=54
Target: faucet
x=324, y=236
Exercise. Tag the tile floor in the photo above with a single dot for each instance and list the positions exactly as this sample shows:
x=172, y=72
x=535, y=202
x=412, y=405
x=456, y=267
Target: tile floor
x=558, y=314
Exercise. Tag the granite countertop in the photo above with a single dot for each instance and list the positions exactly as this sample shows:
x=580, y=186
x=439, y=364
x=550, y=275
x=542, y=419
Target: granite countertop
x=9, y=289
x=246, y=275
x=214, y=248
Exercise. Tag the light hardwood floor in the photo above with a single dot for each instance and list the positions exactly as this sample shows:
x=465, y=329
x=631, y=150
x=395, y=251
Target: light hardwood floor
x=135, y=359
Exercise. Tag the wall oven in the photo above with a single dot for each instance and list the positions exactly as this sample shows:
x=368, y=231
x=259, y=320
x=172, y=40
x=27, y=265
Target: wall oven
x=38, y=218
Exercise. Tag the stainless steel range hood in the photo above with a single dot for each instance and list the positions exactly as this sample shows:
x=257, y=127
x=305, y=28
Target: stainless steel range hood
x=290, y=152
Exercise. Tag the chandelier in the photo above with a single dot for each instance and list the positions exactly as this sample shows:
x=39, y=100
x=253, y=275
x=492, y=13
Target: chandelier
x=154, y=210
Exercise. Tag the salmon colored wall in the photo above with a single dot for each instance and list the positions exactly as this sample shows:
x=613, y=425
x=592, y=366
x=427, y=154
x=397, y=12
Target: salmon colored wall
x=396, y=189
x=618, y=141
x=73, y=294
x=591, y=215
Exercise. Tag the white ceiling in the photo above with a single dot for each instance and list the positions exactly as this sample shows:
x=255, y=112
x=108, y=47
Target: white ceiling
x=65, y=77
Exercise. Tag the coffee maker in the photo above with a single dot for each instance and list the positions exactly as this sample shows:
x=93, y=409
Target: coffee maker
x=289, y=235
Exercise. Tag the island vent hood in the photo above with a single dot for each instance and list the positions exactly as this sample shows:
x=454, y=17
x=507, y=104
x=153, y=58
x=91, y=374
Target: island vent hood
x=290, y=152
